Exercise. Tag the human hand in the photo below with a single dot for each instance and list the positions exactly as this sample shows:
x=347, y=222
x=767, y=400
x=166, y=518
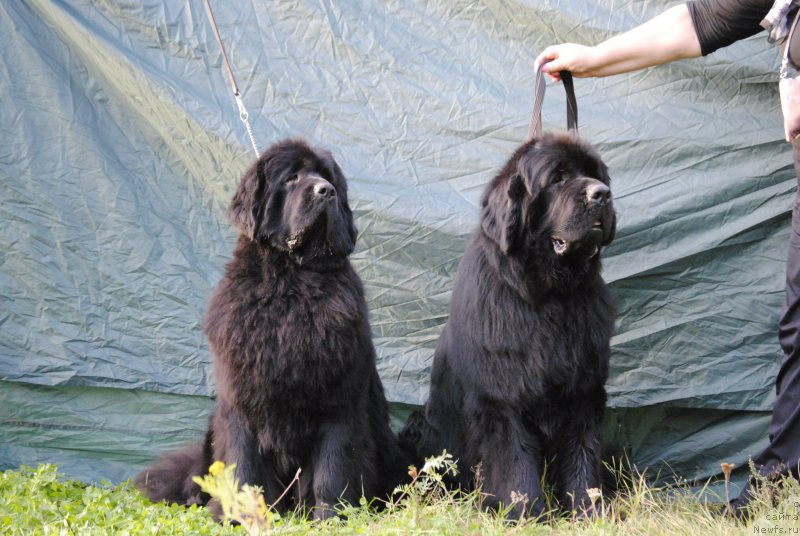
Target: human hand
x=666, y=37
x=577, y=59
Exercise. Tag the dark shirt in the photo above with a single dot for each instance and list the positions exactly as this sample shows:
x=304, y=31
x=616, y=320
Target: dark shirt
x=719, y=23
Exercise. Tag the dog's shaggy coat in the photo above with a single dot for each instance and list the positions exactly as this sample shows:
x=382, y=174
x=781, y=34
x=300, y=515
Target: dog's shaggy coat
x=519, y=371
x=291, y=347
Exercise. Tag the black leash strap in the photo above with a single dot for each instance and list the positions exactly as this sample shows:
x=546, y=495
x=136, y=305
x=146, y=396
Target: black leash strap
x=535, y=128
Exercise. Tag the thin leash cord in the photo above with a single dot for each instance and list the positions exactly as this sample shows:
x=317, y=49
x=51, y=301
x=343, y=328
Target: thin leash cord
x=243, y=115
x=535, y=127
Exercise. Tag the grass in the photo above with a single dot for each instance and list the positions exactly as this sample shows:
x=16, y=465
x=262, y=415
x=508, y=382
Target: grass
x=39, y=501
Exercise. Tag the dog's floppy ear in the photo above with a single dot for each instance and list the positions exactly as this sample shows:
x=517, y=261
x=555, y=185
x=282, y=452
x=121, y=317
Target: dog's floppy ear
x=247, y=201
x=501, y=216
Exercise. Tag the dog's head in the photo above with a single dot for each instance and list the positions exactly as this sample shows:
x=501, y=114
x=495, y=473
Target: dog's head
x=294, y=200
x=554, y=192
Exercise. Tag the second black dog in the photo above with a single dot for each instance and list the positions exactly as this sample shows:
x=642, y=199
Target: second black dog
x=519, y=371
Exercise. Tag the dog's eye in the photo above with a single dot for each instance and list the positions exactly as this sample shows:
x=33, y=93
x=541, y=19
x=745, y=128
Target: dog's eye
x=558, y=179
x=292, y=178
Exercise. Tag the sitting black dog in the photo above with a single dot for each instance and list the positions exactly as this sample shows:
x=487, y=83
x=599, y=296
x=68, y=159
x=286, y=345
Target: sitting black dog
x=519, y=371
x=292, y=351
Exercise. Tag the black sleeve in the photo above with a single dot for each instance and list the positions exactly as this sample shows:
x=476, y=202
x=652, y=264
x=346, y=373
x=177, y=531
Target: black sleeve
x=719, y=23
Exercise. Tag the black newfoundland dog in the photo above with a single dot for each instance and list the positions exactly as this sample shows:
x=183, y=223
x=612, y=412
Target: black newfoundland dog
x=292, y=351
x=517, y=388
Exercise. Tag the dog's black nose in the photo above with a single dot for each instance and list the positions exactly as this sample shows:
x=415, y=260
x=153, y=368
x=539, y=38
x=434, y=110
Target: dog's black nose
x=597, y=192
x=325, y=189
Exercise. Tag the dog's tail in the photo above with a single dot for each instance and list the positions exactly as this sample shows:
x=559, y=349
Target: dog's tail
x=412, y=437
x=170, y=478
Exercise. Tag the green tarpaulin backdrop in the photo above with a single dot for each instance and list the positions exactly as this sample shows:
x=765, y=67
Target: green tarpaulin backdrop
x=120, y=146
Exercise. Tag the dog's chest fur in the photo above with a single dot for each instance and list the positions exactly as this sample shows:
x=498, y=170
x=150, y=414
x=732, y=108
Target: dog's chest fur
x=520, y=350
x=566, y=366
x=282, y=335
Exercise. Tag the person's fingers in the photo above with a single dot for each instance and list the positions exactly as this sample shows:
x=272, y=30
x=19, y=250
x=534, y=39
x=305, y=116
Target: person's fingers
x=550, y=63
x=555, y=76
x=552, y=70
x=547, y=55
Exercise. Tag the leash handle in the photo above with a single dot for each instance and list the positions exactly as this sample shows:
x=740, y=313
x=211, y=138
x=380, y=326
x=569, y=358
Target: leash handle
x=535, y=128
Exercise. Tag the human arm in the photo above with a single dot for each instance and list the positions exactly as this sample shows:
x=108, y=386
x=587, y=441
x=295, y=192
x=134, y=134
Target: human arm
x=667, y=37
